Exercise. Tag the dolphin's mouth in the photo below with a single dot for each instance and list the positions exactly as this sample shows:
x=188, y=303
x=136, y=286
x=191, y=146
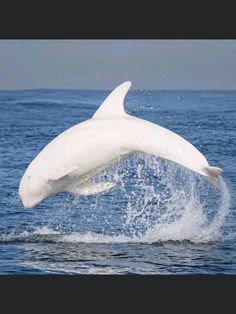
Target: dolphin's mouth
x=27, y=200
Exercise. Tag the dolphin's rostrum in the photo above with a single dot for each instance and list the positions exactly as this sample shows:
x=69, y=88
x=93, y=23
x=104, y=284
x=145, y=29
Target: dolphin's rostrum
x=70, y=161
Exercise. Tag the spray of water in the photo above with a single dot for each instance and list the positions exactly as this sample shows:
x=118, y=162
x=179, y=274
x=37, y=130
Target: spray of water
x=155, y=200
x=171, y=203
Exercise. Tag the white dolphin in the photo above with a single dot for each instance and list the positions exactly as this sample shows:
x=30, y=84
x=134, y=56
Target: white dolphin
x=70, y=161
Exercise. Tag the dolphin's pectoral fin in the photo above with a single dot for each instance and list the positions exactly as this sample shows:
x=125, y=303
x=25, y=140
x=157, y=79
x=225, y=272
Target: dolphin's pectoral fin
x=91, y=188
x=62, y=172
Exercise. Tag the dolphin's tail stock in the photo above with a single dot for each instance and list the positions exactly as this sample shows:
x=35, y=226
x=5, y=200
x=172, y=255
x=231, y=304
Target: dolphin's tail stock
x=213, y=174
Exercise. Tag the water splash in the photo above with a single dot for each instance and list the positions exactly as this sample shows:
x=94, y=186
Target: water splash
x=193, y=224
x=168, y=202
x=156, y=200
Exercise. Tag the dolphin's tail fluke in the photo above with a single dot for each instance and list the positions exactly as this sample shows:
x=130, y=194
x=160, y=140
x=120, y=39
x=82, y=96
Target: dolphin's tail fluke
x=213, y=174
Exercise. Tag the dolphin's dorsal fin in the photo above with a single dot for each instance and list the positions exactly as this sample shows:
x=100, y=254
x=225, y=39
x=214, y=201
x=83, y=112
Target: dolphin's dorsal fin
x=113, y=105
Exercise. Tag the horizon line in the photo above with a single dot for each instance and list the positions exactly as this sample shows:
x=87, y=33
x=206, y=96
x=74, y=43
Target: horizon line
x=108, y=90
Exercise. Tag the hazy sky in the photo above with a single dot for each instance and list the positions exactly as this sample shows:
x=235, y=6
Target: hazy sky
x=103, y=64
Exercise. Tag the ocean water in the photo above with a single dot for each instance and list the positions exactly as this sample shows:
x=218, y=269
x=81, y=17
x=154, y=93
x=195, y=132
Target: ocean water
x=160, y=218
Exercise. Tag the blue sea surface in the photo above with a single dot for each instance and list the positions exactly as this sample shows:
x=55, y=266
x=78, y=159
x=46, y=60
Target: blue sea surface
x=160, y=218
